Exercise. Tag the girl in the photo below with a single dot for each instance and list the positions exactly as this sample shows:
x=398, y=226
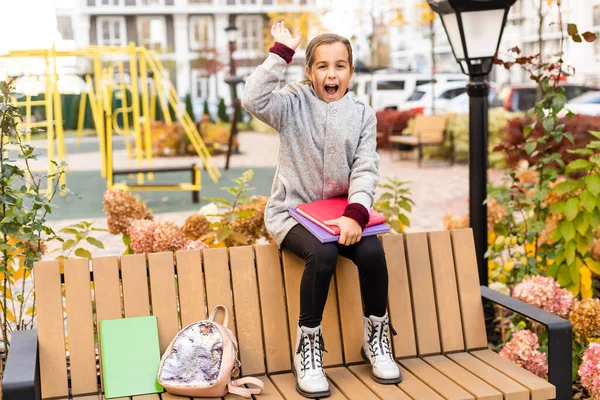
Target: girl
x=327, y=149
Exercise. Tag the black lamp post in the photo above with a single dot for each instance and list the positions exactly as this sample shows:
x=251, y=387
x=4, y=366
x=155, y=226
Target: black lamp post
x=232, y=80
x=474, y=29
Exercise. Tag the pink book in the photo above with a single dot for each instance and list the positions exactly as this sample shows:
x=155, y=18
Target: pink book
x=326, y=237
x=328, y=209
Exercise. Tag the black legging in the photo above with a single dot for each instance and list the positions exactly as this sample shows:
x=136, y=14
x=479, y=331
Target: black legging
x=321, y=260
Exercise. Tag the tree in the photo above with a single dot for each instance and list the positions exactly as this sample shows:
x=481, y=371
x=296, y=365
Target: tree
x=206, y=111
x=189, y=108
x=222, y=112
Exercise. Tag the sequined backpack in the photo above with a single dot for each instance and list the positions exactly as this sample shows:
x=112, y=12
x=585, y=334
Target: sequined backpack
x=201, y=361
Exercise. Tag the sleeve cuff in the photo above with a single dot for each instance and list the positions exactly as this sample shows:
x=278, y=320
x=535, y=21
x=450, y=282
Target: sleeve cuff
x=357, y=212
x=282, y=51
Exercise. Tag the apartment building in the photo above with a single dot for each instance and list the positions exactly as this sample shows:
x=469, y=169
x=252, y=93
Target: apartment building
x=411, y=43
x=188, y=35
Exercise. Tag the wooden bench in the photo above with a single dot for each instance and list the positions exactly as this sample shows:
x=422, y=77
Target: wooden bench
x=427, y=130
x=435, y=304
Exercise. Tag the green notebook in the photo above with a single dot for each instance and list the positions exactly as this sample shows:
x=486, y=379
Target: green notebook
x=130, y=356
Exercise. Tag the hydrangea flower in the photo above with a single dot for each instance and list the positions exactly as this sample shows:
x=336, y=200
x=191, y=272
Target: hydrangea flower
x=589, y=371
x=523, y=349
x=545, y=293
x=585, y=317
x=122, y=208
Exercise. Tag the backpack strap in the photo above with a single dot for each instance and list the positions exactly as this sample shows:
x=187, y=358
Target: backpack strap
x=211, y=317
x=234, y=386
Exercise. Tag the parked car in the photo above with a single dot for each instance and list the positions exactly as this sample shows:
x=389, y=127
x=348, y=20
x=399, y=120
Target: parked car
x=586, y=104
x=421, y=99
x=522, y=97
x=460, y=104
x=387, y=90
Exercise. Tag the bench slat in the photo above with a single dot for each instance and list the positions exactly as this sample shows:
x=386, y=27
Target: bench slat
x=270, y=391
x=134, y=276
x=509, y=388
x=351, y=310
x=399, y=304
x=191, y=286
x=293, y=267
x=464, y=378
x=446, y=292
x=412, y=386
x=349, y=385
x=469, y=293
x=286, y=384
x=107, y=288
x=163, y=296
x=540, y=388
x=272, y=303
x=435, y=380
x=417, y=250
x=385, y=392
x=51, y=333
x=218, y=283
x=169, y=396
x=247, y=310
x=80, y=325
x=107, y=293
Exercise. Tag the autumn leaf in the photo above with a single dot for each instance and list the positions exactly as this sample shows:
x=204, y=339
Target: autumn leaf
x=589, y=36
x=572, y=29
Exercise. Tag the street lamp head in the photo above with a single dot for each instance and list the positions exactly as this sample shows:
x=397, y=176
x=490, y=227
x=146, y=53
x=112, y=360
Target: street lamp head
x=231, y=32
x=474, y=29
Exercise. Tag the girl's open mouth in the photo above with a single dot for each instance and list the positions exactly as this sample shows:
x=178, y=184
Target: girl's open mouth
x=331, y=90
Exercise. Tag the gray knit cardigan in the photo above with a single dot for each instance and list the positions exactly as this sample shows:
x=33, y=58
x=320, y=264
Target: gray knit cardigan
x=325, y=150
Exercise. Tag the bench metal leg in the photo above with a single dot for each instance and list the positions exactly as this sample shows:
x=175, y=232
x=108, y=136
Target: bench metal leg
x=195, y=193
x=420, y=154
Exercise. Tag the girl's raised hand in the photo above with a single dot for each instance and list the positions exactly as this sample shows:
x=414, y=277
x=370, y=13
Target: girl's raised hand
x=282, y=35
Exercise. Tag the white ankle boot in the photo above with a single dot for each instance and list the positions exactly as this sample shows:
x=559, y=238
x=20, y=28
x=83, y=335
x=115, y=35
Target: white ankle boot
x=308, y=363
x=377, y=351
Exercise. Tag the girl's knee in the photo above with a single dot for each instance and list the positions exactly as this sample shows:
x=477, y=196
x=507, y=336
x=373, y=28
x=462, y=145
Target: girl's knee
x=372, y=255
x=324, y=257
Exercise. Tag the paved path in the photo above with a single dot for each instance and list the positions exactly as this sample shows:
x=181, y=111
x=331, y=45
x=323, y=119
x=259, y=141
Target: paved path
x=436, y=187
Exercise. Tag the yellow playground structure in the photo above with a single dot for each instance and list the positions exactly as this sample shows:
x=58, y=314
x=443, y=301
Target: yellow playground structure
x=136, y=75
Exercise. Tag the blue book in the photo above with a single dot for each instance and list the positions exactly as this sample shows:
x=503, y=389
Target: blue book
x=326, y=237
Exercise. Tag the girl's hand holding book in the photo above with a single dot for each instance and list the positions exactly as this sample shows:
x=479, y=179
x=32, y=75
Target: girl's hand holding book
x=350, y=230
x=282, y=35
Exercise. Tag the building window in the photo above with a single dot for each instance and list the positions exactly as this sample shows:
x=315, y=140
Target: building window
x=251, y=34
x=597, y=15
x=110, y=2
x=152, y=32
x=201, y=33
x=200, y=84
x=110, y=31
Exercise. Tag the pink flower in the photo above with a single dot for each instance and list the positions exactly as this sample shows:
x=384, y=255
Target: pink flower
x=168, y=237
x=589, y=371
x=522, y=349
x=141, y=233
x=545, y=293
x=195, y=245
x=149, y=236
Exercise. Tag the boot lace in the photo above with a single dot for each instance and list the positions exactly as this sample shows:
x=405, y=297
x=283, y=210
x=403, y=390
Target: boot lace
x=379, y=342
x=310, y=348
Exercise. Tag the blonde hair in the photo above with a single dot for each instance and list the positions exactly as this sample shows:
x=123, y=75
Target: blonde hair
x=325, y=38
